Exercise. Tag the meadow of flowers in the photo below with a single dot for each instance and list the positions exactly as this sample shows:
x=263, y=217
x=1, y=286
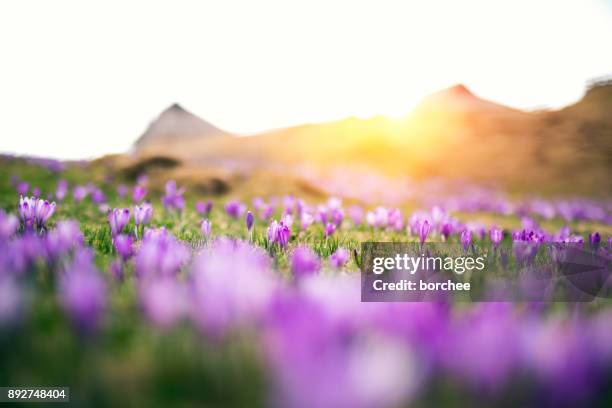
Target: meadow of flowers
x=129, y=296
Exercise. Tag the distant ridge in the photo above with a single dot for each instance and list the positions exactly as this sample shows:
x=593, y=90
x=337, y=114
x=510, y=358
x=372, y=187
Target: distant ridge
x=176, y=123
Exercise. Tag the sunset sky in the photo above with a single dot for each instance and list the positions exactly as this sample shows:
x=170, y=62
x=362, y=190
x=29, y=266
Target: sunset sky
x=80, y=79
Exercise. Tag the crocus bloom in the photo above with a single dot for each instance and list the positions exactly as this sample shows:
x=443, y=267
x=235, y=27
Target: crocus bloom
x=124, y=245
x=143, y=213
x=27, y=211
x=116, y=270
x=162, y=301
x=79, y=193
x=232, y=284
x=279, y=233
x=594, y=240
x=466, y=239
x=329, y=229
x=160, y=254
x=339, y=258
x=356, y=214
x=35, y=212
x=23, y=188
x=235, y=209
x=306, y=220
x=205, y=228
x=173, y=199
x=139, y=193
x=496, y=236
x=423, y=231
x=200, y=208
x=36, y=191
x=118, y=219
x=446, y=230
x=65, y=237
x=249, y=221
x=44, y=210
x=83, y=292
x=97, y=196
x=122, y=190
x=304, y=262
x=62, y=189
x=287, y=219
x=8, y=225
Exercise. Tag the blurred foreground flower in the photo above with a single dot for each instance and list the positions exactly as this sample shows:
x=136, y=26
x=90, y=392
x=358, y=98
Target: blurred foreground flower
x=83, y=292
x=339, y=258
x=304, y=262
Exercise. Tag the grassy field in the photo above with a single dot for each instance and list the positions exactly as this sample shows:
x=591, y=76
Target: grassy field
x=130, y=361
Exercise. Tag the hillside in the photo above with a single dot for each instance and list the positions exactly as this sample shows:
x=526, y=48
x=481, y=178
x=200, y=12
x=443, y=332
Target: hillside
x=452, y=134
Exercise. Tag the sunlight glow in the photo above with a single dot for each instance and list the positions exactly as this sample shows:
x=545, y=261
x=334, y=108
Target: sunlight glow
x=81, y=79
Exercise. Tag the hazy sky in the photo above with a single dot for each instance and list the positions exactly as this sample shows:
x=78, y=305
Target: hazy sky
x=80, y=79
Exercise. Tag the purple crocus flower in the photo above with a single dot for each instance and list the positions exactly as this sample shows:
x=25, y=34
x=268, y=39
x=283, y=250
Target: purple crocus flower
x=339, y=258
x=143, y=213
x=249, y=221
x=79, y=193
x=594, y=240
x=122, y=190
x=23, y=188
x=124, y=246
x=235, y=209
x=304, y=262
x=288, y=204
x=267, y=212
x=279, y=233
x=27, y=211
x=162, y=301
x=35, y=212
x=218, y=301
x=83, y=292
x=44, y=210
x=306, y=220
x=36, y=191
x=356, y=214
x=424, y=231
x=205, y=228
x=139, y=193
x=8, y=225
x=496, y=236
x=97, y=196
x=329, y=229
x=116, y=270
x=200, y=208
x=65, y=237
x=272, y=231
x=62, y=189
x=118, y=219
x=160, y=254
x=287, y=219
x=446, y=230
x=466, y=239
x=173, y=199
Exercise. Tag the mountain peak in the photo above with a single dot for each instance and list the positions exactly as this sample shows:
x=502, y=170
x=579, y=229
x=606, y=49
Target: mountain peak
x=459, y=99
x=176, y=123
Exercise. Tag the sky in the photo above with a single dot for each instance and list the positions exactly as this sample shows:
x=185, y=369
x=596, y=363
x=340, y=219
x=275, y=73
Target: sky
x=80, y=79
